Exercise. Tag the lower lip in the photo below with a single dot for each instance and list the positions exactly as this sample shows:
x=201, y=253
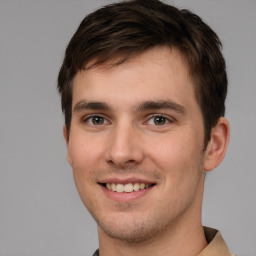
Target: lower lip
x=126, y=197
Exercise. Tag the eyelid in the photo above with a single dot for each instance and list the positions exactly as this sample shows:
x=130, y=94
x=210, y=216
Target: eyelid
x=169, y=119
x=87, y=117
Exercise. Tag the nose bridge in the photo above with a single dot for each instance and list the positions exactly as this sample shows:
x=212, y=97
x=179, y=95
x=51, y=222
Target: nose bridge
x=124, y=144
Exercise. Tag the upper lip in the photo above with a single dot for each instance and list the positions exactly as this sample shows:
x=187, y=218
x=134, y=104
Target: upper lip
x=132, y=180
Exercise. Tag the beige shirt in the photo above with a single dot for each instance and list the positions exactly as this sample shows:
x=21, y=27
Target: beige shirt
x=216, y=245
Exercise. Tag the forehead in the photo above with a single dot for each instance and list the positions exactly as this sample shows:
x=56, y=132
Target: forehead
x=158, y=55
x=157, y=74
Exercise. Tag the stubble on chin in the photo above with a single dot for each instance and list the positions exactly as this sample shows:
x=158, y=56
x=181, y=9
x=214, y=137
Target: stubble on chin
x=132, y=233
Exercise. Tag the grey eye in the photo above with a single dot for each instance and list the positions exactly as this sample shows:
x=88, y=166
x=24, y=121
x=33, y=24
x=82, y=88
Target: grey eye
x=159, y=120
x=96, y=120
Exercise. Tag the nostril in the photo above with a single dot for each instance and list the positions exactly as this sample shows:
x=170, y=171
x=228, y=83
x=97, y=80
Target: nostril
x=121, y=163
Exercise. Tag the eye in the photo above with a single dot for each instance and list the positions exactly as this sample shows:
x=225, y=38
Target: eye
x=96, y=120
x=158, y=120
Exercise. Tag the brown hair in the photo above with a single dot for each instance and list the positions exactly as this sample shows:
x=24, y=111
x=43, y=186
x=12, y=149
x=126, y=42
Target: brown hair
x=122, y=30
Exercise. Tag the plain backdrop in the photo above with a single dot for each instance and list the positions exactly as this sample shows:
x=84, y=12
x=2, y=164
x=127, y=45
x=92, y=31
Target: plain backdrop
x=40, y=211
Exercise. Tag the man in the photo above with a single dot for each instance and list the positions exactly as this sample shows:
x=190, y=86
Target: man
x=143, y=89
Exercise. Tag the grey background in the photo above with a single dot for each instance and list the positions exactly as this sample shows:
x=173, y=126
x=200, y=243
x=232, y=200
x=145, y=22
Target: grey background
x=40, y=211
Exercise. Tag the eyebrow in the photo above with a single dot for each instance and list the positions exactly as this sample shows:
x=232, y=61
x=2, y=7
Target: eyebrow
x=163, y=104
x=83, y=104
x=143, y=106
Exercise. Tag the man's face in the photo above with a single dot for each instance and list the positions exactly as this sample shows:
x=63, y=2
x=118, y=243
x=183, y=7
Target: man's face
x=138, y=127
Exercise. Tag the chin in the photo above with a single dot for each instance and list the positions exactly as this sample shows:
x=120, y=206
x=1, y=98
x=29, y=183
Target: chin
x=130, y=234
x=131, y=231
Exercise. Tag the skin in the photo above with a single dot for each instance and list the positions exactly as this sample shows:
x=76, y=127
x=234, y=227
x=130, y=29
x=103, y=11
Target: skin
x=121, y=137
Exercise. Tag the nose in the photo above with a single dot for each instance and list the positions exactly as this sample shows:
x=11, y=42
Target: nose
x=124, y=147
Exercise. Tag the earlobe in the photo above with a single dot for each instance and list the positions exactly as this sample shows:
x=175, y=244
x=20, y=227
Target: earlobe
x=66, y=137
x=217, y=146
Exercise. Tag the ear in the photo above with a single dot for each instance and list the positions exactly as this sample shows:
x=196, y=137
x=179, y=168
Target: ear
x=217, y=146
x=66, y=137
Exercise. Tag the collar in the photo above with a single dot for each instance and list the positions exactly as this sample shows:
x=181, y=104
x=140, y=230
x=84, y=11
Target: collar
x=216, y=244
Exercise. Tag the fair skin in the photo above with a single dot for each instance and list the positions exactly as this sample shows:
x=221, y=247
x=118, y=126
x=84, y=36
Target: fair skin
x=139, y=124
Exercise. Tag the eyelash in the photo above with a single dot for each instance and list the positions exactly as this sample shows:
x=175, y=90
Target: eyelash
x=166, y=120
x=87, y=119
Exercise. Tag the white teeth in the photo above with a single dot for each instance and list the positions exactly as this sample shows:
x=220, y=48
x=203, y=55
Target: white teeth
x=113, y=187
x=119, y=188
x=136, y=187
x=142, y=186
x=127, y=188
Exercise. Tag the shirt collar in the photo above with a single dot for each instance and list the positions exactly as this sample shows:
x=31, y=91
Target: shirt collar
x=216, y=244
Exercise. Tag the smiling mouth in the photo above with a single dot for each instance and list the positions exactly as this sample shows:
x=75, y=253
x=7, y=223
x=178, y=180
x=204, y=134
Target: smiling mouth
x=126, y=188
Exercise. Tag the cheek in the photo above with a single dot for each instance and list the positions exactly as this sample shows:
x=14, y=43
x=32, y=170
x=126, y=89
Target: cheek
x=178, y=147
x=84, y=151
x=81, y=155
x=179, y=158
x=181, y=166
x=83, y=173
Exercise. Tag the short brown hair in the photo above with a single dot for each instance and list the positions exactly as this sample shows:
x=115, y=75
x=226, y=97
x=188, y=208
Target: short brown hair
x=125, y=29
